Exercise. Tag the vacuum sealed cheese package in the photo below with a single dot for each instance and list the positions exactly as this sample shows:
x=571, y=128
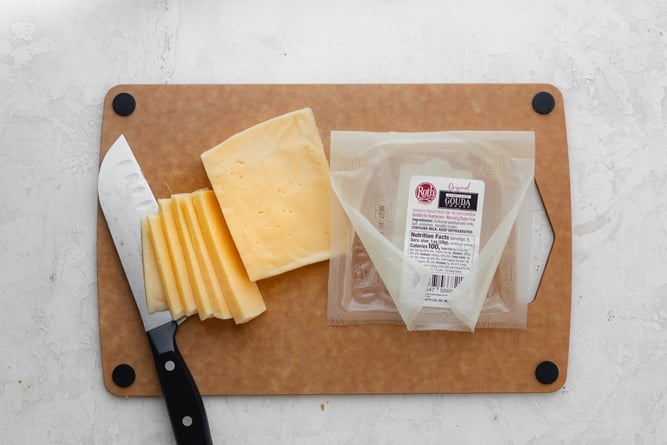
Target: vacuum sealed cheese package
x=430, y=229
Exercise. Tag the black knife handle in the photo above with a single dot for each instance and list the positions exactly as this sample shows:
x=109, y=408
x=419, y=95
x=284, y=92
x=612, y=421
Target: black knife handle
x=184, y=403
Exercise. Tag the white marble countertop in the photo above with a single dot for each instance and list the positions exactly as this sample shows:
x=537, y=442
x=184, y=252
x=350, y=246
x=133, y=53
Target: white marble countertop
x=58, y=59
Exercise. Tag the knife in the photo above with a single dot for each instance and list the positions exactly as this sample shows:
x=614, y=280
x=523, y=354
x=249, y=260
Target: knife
x=125, y=197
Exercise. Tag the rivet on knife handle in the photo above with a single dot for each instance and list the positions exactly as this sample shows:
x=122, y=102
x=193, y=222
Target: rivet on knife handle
x=184, y=403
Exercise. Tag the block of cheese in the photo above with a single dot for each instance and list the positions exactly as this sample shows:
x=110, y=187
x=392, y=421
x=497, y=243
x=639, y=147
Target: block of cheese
x=272, y=184
x=177, y=255
x=155, y=299
x=215, y=301
x=195, y=275
x=242, y=295
x=165, y=267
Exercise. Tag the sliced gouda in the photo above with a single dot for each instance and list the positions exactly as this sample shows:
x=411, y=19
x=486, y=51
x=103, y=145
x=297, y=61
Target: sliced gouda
x=242, y=295
x=155, y=299
x=195, y=275
x=165, y=268
x=177, y=256
x=211, y=300
x=272, y=184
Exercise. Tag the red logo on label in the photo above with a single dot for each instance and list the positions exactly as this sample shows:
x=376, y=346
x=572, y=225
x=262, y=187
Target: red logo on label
x=425, y=192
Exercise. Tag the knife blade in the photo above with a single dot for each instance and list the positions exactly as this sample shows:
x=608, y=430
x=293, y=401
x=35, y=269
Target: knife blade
x=125, y=198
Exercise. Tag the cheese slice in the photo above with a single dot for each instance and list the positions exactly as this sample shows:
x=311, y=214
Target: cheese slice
x=165, y=268
x=155, y=298
x=242, y=295
x=177, y=256
x=199, y=288
x=215, y=301
x=272, y=184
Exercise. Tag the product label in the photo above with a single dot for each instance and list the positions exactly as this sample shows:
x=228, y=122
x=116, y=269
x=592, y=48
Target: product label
x=442, y=231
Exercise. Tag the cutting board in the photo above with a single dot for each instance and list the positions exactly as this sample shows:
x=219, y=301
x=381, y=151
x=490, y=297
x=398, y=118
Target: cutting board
x=291, y=349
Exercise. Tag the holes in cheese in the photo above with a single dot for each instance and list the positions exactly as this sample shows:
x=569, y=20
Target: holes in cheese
x=272, y=183
x=177, y=256
x=164, y=265
x=215, y=302
x=242, y=295
x=155, y=298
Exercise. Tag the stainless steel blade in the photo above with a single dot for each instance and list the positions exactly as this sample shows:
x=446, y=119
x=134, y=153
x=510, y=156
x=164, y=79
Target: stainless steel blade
x=126, y=197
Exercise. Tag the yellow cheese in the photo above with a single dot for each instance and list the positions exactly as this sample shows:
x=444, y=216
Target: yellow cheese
x=215, y=301
x=165, y=268
x=272, y=184
x=155, y=299
x=177, y=256
x=242, y=295
x=195, y=275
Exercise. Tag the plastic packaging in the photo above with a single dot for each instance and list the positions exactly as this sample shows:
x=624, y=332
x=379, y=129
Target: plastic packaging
x=427, y=228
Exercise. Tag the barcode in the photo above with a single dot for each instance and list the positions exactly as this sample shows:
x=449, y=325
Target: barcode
x=445, y=281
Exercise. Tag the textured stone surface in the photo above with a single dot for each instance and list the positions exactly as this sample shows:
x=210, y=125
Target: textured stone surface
x=607, y=57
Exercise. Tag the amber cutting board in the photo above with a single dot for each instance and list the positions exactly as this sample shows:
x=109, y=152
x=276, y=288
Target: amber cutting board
x=291, y=349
